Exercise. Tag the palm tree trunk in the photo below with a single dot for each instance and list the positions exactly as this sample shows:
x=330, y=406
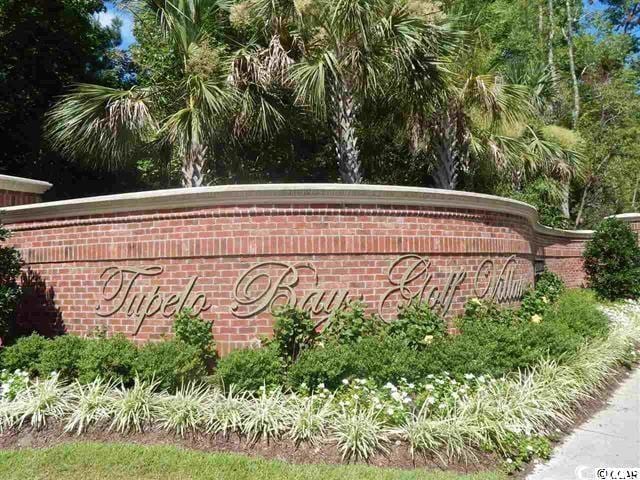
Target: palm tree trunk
x=550, y=56
x=193, y=166
x=445, y=174
x=564, y=206
x=572, y=65
x=344, y=132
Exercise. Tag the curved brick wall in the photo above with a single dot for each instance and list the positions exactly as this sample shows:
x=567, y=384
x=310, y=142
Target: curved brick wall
x=128, y=262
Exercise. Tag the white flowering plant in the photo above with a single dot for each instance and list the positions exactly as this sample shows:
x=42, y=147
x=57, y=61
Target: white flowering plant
x=11, y=383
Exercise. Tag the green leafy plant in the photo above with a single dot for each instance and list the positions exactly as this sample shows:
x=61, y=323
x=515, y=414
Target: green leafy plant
x=351, y=324
x=251, y=368
x=612, y=260
x=417, y=325
x=293, y=331
x=111, y=358
x=10, y=265
x=538, y=300
x=12, y=382
x=62, y=355
x=24, y=354
x=172, y=363
x=192, y=330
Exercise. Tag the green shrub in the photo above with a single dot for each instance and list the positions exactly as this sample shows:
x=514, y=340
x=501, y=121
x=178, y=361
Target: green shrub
x=486, y=346
x=62, y=355
x=251, y=368
x=107, y=358
x=480, y=312
x=417, y=325
x=381, y=359
x=24, y=354
x=612, y=260
x=538, y=300
x=293, y=332
x=327, y=365
x=192, y=330
x=10, y=265
x=496, y=348
x=351, y=324
x=172, y=363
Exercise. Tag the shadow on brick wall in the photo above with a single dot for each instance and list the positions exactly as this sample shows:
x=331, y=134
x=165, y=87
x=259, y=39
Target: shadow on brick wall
x=37, y=312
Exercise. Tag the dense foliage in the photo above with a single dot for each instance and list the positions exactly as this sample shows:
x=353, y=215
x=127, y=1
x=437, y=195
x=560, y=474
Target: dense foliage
x=534, y=100
x=45, y=46
x=451, y=417
x=169, y=363
x=10, y=265
x=612, y=260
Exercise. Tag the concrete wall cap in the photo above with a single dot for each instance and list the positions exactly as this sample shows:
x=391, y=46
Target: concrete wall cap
x=274, y=194
x=19, y=184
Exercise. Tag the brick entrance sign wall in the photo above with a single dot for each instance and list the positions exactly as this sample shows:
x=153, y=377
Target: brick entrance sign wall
x=127, y=263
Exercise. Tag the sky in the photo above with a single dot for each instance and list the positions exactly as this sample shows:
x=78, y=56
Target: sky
x=105, y=18
x=128, y=38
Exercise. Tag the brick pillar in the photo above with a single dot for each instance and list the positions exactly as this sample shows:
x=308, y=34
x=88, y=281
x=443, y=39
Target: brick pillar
x=21, y=191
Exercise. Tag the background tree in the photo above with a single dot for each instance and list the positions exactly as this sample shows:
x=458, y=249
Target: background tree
x=44, y=46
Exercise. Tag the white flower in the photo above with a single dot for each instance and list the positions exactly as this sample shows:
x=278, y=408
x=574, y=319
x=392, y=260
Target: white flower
x=509, y=460
x=321, y=386
x=390, y=411
x=430, y=375
x=390, y=386
x=469, y=376
x=396, y=396
x=345, y=382
x=429, y=387
x=453, y=382
x=406, y=400
x=431, y=400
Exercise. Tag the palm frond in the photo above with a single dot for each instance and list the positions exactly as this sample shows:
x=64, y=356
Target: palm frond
x=312, y=78
x=101, y=125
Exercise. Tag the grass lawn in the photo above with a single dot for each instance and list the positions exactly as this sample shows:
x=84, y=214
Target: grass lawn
x=85, y=461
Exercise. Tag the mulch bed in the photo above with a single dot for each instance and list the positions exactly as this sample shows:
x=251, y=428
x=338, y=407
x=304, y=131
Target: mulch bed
x=285, y=450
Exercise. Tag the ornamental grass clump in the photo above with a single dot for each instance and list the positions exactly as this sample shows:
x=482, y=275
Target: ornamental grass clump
x=182, y=411
x=131, y=408
x=310, y=419
x=223, y=412
x=448, y=436
x=89, y=404
x=40, y=401
x=359, y=433
x=266, y=416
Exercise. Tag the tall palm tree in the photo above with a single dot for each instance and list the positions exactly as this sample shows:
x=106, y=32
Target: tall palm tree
x=347, y=52
x=110, y=126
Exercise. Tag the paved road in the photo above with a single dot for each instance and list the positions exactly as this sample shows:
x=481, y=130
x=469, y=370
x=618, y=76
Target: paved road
x=609, y=439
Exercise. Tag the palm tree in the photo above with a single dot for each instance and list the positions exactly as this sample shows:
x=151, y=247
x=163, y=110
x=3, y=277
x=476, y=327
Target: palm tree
x=182, y=116
x=347, y=52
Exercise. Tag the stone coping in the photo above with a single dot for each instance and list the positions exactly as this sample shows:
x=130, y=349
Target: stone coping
x=19, y=184
x=274, y=194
